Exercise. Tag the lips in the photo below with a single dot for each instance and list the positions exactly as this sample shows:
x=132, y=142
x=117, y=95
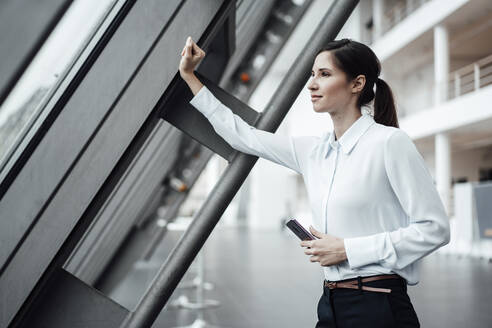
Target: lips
x=315, y=97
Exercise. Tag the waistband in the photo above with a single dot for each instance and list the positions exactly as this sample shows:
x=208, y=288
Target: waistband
x=356, y=283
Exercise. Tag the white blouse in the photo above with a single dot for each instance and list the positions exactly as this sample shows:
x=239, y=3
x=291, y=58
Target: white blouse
x=371, y=188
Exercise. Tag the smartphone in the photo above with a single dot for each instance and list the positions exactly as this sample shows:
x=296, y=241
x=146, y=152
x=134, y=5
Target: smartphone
x=299, y=230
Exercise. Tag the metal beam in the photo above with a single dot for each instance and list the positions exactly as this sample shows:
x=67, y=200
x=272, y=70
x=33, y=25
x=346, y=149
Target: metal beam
x=192, y=241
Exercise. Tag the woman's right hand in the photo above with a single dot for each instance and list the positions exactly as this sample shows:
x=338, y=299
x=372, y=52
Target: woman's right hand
x=190, y=57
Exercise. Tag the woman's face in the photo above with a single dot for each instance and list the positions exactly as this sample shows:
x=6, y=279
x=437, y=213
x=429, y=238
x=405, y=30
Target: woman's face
x=330, y=90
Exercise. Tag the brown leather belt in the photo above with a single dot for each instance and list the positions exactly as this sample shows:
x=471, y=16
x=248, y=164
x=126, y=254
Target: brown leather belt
x=354, y=284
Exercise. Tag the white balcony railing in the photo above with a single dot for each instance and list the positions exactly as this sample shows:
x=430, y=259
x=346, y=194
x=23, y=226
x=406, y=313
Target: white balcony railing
x=470, y=78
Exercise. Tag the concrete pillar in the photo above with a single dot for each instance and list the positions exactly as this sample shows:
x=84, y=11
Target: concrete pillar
x=443, y=168
x=441, y=63
x=377, y=19
x=442, y=140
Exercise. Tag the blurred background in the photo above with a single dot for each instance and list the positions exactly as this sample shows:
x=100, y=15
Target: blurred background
x=104, y=165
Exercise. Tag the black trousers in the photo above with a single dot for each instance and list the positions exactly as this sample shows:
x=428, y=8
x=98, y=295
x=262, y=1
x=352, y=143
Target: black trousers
x=357, y=308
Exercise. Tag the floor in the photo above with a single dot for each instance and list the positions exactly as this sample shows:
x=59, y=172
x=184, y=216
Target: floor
x=263, y=279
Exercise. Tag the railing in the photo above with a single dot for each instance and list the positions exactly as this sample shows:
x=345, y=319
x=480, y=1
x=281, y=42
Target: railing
x=470, y=78
x=400, y=11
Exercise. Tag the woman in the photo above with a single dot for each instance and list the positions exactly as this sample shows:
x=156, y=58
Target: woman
x=376, y=211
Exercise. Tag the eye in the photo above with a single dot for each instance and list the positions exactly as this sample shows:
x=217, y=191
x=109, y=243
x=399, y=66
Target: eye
x=325, y=74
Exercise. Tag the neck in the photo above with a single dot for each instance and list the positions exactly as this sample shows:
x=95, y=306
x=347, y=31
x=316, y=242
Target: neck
x=343, y=121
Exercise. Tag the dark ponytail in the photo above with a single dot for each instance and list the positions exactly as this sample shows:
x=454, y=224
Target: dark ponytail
x=355, y=58
x=384, y=105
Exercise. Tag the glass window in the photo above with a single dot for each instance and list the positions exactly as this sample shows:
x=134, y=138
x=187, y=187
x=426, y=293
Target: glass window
x=48, y=68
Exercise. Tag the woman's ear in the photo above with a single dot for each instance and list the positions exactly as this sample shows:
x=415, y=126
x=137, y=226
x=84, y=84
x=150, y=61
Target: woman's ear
x=358, y=83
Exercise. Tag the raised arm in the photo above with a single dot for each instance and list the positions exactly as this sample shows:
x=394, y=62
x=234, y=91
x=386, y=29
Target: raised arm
x=283, y=150
x=233, y=129
x=190, y=57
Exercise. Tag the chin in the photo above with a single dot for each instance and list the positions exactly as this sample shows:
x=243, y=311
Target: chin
x=319, y=110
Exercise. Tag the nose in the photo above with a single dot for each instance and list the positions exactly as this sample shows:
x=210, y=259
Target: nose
x=312, y=85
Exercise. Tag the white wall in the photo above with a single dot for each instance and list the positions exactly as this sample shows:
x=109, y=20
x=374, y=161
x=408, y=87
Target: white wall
x=414, y=91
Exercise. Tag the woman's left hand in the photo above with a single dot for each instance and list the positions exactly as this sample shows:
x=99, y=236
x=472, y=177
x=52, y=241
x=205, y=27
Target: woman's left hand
x=327, y=250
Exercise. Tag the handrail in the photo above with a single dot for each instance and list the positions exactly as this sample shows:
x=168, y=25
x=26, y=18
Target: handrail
x=470, y=78
x=181, y=257
x=469, y=68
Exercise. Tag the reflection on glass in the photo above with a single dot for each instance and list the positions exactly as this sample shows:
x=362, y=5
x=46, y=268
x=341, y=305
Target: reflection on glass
x=59, y=51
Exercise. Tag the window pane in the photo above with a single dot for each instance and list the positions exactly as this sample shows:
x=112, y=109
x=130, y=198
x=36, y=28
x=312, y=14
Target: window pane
x=47, y=69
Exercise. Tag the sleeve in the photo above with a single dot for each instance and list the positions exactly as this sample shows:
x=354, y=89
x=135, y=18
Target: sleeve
x=283, y=150
x=428, y=227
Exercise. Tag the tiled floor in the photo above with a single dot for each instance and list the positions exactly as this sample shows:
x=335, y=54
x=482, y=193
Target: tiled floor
x=263, y=279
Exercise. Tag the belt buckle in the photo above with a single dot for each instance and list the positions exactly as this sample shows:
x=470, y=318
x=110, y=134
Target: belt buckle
x=331, y=284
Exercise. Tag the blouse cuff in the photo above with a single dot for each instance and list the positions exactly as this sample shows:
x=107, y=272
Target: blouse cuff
x=205, y=102
x=363, y=250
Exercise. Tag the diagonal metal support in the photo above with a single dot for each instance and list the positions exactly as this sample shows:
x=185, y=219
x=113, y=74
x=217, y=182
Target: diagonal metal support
x=194, y=238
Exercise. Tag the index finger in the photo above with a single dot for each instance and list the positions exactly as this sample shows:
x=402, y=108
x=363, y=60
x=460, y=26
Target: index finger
x=306, y=243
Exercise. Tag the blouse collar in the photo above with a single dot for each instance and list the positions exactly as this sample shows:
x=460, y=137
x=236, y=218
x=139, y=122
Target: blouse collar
x=350, y=138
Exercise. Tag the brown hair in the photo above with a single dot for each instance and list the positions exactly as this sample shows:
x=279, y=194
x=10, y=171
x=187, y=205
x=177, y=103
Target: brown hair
x=355, y=58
